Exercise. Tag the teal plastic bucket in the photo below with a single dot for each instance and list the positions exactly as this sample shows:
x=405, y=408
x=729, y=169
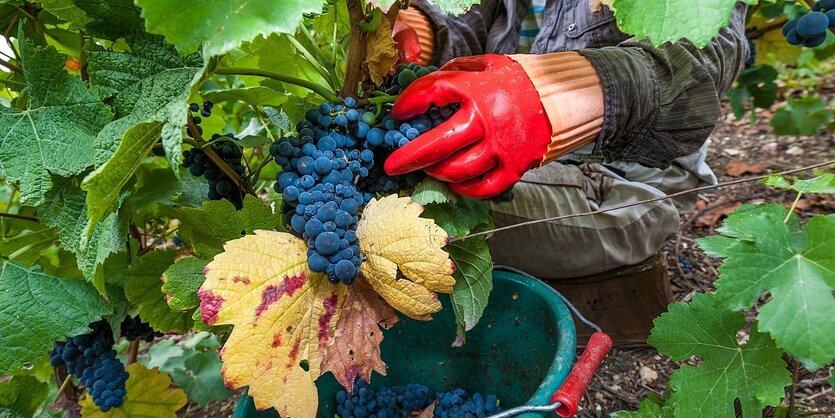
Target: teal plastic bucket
x=522, y=350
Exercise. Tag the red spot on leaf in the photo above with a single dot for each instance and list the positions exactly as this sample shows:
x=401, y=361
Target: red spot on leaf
x=273, y=293
x=294, y=352
x=229, y=383
x=210, y=304
x=244, y=280
x=206, y=271
x=277, y=339
x=454, y=267
x=325, y=319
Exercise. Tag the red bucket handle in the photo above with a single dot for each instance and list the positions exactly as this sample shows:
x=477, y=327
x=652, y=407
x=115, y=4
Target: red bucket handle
x=569, y=394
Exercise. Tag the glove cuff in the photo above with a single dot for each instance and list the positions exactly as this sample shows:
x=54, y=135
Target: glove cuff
x=423, y=27
x=572, y=96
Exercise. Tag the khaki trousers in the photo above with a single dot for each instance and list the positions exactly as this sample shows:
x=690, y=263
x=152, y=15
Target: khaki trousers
x=589, y=245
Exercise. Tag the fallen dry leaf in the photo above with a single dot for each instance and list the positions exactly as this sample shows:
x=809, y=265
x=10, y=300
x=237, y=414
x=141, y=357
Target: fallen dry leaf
x=713, y=216
x=736, y=168
x=428, y=412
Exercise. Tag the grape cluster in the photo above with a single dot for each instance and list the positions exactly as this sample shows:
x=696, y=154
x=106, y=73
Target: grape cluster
x=458, y=403
x=332, y=168
x=810, y=29
x=134, y=329
x=91, y=358
x=394, y=402
x=199, y=164
x=402, y=401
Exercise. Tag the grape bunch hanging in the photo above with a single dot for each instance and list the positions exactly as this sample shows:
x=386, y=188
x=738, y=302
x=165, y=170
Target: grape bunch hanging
x=810, y=29
x=199, y=164
x=332, y=168
x=134, y=329
x=91, y=358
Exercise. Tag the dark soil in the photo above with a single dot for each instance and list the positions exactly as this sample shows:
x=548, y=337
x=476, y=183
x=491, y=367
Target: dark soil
x=628, y=375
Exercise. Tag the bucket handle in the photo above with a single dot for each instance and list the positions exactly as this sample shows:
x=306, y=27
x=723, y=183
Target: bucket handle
x=565, y=400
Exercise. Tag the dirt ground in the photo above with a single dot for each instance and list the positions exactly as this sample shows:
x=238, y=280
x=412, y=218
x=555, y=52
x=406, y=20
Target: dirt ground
x=628, y=375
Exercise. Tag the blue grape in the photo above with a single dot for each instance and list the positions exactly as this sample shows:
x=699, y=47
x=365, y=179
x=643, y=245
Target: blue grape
x=327, y=243
x=812, y=24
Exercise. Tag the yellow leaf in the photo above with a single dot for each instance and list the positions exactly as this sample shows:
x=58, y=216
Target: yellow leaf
x=149, y=394
x=284, y=316
x=396, y=241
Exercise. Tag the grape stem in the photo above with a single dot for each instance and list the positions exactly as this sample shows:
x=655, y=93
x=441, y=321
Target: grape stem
x=16, y=216
x=133, y=350
x=67, y=382
x=316, y=88
x=642, y=202
x=242, y=184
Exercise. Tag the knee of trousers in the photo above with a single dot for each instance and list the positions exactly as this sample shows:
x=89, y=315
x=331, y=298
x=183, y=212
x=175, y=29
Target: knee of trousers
x=585, y=245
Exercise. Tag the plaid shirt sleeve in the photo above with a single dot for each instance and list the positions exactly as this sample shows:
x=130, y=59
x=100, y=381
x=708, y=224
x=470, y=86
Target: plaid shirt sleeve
x=662, y=102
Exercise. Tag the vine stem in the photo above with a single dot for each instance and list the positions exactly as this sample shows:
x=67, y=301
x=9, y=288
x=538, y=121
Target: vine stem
x=642, y=202
x=133, y=350
x=64, y=386
x=811, y=413
x=16, y=216
x=320, y=90
x=793, y=389
x=242, y=184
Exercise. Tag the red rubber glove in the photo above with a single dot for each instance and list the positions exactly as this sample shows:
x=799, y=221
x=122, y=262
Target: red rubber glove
x=413, y=37
x=406, y=42
x=502, y=129
x=500, y=132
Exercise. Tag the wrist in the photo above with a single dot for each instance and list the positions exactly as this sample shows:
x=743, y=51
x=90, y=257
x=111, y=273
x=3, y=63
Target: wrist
x=415, y=19
x=571, y=94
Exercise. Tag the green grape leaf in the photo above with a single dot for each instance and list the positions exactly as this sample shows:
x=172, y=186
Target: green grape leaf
x=22, y=395
x=151, y=82
x=222, y=26
x=824, y=183
x=433, y=191
x=646, y=409
x=26, y=241
x=148, y=394
x=161, y=185
x=801, y=116
x=165, y=355
x=218, y=221
x=65, y=210
x=279, y=55
x=453, y=7
x=754, y=373
x=255, y=96
x=144, y=288
x=182, y=281
x=473, y=280
x=673, y=19
x=104, y=185
x=458, y=219
x=35, y=313
x=111, y=19
x=797, y=266
x=755, y=83
x=67, y=10
x=201, y=378
x=55, y=132
x=278, y=118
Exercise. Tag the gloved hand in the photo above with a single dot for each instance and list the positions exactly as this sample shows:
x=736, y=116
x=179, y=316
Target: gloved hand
x=406, y=42
x=517, y=112
x=413, y=37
